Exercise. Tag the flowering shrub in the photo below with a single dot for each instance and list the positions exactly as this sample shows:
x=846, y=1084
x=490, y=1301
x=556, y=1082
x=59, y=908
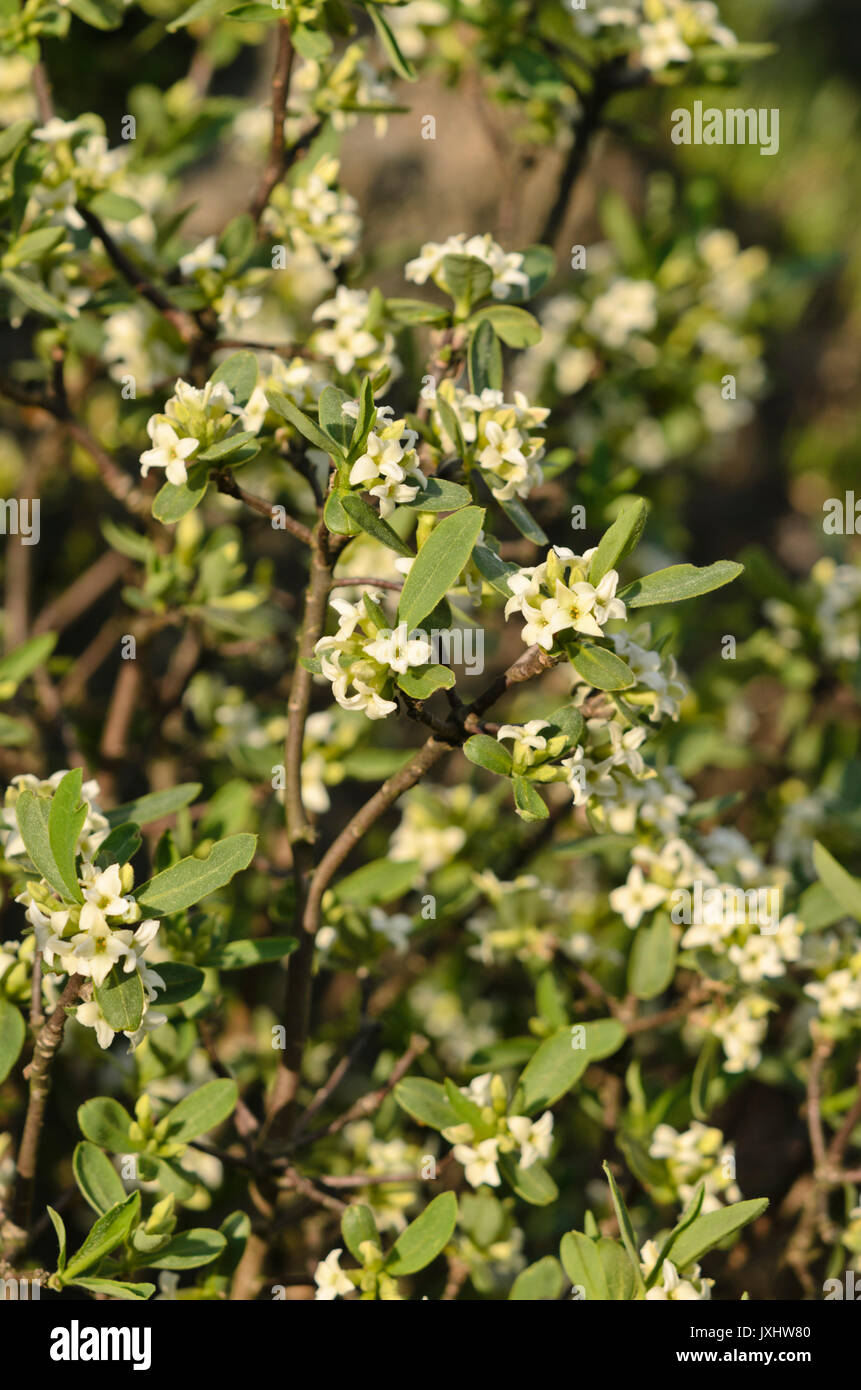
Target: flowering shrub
x=352, y=957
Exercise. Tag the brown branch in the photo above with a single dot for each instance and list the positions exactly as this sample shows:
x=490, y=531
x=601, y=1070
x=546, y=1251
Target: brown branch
x=227, y=484
x=39, y=1075
x=277, y=162
x=297, y=994
x=368, y=1104
x=188, y=330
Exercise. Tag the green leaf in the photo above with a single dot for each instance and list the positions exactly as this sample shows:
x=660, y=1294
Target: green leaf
x=185, y=883
x=562, y=1059
x=652, y=962
x=13, y=1031
x=582, y=1262
x=617, y=542
x=533, y=1184
x=438, y=564
x=539, y=1283
x=98, y=1179
x=205, y=1108
x=182, y=982
x=529, y=805
x=621, y=1282
x=33, y=814
x=307, y=427
x=450, y=423
x=155, y=805
x=223, y=451
x=25, y=659
x=709, y=1230
x=426, y=1101
x=626, y=1231
x=516, y=327
x=842, y=886
x=60, y=1231
x=600, y=667
x=484, y=359
x=424, y=1238
x=115, y=207
x=65, y=823
x=679, y=582
x=539, y=263
x=338, y=426
x=817, y=908
x=121, y=844
x=13, y=137
x=488, y=753
x=109, y=1231
x=173, y=501
x=416, y=311
x=188, y=1250
x=239, y=373
x=569, y=721
x=239, y=955
x=689, y=1215
x=402, y=66
x=371, y=522
x=116, y=1288
x=421, y=682
x=35, y=297
x=101, y=14
x=121, y=999
x=105, y=1122
x=522, y=519
x=439, y=495
x=468, y=280
x=336, y=518
x=381, y=881
x=358, y=1226
x=33, y=245
x=201, y=9
x=311, y=43
x=494, y=569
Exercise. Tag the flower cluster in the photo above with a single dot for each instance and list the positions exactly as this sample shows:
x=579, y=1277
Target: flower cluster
x=102, y=933
x=660, y=364
x=506, y=266
x=389, y=468
x=698, y=1155
x=356, y=339
x=661, y=32
x=366, y=655
x=496, y=437
x=313, y=212
x=685, y=1286
x=194, y=418
x=480, y=1141
x=556, y=596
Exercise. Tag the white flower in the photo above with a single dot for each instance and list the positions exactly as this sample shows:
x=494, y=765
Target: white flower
x=635, y=897
x=535, y=1137
x=203, y=257
x=90, y=1016
x=838, y=993
x=169, y=452
x=330, y=1279
x=479, y=1162
x=628, y=306
x=398, y=650
x=673, y=1288
x=96, y=951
